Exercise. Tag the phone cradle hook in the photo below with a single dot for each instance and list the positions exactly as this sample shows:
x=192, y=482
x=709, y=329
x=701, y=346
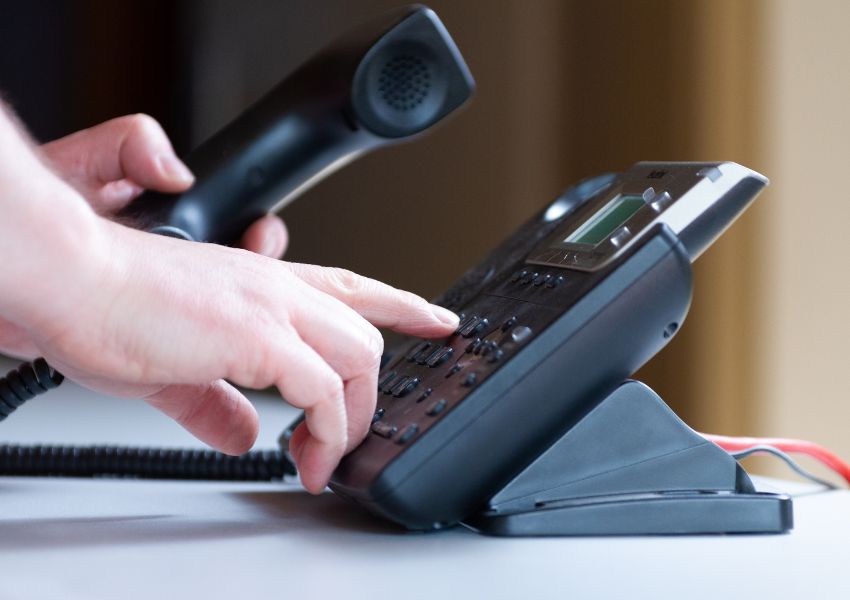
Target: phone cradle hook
x=632, y=467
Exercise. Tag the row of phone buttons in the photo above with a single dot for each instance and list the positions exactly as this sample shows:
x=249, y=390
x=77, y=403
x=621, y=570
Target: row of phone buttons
x=525, y=277
x=386, y=430
x=488, y=349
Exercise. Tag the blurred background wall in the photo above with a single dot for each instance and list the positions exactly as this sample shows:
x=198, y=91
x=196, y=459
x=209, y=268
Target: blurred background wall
x=566, y=89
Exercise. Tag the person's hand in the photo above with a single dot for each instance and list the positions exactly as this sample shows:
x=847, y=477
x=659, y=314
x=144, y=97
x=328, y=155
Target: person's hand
x=134, y=314
x=111, y=164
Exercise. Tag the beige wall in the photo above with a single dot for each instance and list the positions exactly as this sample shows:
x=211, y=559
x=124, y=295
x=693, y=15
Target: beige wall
x=805, y=298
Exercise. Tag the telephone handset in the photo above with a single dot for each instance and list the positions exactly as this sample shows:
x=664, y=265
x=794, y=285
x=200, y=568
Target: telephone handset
x=552, y=323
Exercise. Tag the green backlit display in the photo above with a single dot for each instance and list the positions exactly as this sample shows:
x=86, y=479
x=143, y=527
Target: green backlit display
x=606, y=221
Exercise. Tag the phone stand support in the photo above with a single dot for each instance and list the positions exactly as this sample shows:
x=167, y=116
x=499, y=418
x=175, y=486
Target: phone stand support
x=632, y=467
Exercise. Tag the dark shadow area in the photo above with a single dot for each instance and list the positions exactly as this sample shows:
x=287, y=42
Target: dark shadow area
x=325, y=511
x=269, y=514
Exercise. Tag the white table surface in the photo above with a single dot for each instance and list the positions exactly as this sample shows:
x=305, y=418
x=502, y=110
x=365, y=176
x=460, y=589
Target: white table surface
x=92, y=539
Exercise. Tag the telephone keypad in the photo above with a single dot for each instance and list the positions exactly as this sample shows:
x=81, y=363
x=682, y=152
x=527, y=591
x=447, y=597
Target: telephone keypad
x=486, y=337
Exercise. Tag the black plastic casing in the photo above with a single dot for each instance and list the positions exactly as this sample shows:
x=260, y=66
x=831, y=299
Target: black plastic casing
x=384, y=83
x=587, y=336
x=616, y=321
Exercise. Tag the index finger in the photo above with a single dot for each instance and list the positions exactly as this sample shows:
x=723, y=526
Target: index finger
x=379, y=303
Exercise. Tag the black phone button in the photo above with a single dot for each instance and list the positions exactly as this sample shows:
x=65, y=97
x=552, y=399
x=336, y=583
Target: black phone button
x=475, y=327
x=498, y=355
x=465, y=322
x=396, y=385
x=424, y=395
x=436, y=408
x=488, y=347
x=405, y=387
x=520, y=334
x=528, y=277
x=541, y=279
x=470, y=380
x=555, y=281
x=384, y=429
x=378, y=415
x=454, y=370
x=389, y=377
x=425, y=358
x=418, y=350
x=473, y=345
x=407, y=434
x=438, y=359
x=468, y=326
x=516, y=276
x=509, y=323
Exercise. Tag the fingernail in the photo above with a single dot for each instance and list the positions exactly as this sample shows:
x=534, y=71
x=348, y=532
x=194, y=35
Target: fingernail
x=444, y=315
x=271, y=242
x=173, y=168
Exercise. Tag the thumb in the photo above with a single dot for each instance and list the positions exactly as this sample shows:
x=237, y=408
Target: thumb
x=113, y=161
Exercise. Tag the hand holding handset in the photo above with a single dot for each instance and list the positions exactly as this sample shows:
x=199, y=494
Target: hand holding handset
x=382, y=84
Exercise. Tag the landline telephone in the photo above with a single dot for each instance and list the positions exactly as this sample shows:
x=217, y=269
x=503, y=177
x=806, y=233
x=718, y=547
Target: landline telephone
x=523, y=422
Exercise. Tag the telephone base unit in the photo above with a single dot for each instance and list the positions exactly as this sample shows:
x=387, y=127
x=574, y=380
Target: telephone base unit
x=632, y=467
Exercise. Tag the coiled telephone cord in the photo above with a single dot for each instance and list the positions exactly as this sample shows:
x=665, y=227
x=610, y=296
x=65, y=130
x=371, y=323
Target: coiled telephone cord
x=32, y=379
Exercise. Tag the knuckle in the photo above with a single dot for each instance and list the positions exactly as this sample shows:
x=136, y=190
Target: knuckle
x=375, y=347
x=142, y=123
x=347, y=283
x=365, y=352
x=334, y=388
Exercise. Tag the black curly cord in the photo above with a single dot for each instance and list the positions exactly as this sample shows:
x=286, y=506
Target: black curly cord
x=26, y=382
x=31, y=379
x=142, y=463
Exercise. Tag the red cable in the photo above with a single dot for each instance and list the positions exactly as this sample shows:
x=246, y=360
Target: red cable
x=791, y=446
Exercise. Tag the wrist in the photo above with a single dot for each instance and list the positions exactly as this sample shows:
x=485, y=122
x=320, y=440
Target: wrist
x=48, y=247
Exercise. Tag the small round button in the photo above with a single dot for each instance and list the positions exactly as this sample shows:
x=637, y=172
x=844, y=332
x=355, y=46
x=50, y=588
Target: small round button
x=520, y=334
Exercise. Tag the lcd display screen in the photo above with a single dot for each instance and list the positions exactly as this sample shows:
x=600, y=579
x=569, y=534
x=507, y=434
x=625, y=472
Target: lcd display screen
x=598, y=227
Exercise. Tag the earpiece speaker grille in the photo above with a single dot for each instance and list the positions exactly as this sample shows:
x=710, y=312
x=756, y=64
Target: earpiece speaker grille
x=404, y=82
